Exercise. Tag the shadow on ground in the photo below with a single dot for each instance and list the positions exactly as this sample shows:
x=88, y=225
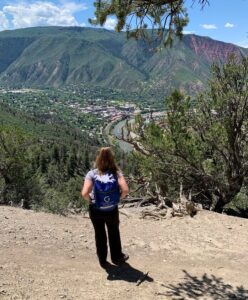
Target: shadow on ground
x=127, y=273
x=211, y=286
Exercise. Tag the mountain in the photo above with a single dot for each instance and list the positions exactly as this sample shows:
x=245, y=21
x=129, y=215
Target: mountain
x=56, y=56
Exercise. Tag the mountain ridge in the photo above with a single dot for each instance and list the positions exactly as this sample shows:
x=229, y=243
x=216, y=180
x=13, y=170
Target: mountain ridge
x=56, y=56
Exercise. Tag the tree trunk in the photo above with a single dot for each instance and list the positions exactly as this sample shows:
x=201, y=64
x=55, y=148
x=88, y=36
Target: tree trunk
x=226, y=194
x=219, y=205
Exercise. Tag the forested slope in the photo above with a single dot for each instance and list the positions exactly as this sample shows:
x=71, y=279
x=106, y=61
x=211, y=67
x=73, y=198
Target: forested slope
x=55, y=56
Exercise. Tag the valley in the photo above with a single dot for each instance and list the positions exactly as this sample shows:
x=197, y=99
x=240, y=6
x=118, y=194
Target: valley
x=87, y=112
x=71, y=90
x=89, y=77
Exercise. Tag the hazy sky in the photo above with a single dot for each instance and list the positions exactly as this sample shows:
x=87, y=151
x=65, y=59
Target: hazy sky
x=224, y=20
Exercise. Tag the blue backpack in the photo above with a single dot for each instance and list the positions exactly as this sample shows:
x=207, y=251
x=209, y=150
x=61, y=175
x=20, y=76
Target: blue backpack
x=106, y=191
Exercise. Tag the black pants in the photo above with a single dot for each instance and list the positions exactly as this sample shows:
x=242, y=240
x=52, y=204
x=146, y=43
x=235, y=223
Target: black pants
x=111, y=219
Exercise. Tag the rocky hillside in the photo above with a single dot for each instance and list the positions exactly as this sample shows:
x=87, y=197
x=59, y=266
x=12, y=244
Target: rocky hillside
x=211, y=50
x=55, y=56
x=45, y=256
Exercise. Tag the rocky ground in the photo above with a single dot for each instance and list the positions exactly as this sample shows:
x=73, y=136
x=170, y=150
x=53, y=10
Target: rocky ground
x=45, y=256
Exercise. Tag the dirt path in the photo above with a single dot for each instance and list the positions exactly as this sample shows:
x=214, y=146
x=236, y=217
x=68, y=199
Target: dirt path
x=44, y=256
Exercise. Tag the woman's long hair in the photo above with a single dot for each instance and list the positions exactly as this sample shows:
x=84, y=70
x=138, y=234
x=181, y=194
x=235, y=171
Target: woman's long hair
x=105, y=161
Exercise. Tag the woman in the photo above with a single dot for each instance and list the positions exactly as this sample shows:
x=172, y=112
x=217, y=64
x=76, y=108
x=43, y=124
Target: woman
x=106, y=171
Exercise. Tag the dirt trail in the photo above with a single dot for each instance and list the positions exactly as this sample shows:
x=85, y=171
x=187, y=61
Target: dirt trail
x=44, y=256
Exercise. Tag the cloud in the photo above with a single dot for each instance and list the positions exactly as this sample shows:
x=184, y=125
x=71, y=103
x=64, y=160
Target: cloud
x=43, y=13
x=73, y=7
x=4, y=23
x=110, y=23
x=229, y=25
x=209, y=26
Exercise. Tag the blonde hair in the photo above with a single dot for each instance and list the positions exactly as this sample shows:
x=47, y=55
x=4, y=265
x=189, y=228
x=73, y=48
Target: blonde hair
x=105, y=161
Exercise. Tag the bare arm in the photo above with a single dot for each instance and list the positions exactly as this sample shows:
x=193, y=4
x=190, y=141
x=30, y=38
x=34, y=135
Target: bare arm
x=123, y=186
x=86, y=189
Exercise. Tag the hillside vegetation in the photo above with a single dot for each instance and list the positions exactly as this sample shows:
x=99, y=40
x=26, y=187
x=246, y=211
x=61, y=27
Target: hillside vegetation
x=43, y=161
x=55, y=56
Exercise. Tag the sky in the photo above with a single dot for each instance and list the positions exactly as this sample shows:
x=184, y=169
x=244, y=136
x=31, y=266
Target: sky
x=223, y=20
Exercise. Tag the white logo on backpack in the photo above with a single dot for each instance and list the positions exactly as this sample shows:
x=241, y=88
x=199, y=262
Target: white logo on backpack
x=105, y=178
x=107, y=199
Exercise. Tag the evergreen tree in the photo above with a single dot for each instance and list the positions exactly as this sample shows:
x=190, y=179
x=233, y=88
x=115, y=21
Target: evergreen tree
x=204, y=147
x=15, y=167
x=55, y=154
x=166, y=16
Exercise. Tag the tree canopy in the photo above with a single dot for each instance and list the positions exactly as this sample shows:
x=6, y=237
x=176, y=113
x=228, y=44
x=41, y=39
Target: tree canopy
x=166, y=17
x=202, y=143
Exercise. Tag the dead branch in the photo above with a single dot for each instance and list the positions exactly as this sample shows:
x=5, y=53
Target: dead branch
x=131, y=200
x=146, y=197
x=155, y=213
x=184, y=206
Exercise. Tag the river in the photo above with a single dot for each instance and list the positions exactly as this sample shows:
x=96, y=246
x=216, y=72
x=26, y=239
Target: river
x=116, y=131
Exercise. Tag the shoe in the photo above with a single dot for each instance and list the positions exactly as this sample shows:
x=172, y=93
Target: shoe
x=121, y=260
